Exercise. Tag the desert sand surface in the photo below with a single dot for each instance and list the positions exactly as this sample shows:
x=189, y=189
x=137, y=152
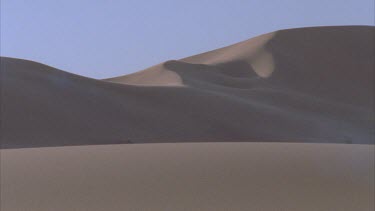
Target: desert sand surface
x=301, y=85
x=189, y=176
x=302, y=99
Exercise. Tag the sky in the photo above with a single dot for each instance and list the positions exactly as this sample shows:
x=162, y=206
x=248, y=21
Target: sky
x=107, y=38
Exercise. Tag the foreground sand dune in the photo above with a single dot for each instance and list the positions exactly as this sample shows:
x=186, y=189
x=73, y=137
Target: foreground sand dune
x=297, y=85
x=197, y=176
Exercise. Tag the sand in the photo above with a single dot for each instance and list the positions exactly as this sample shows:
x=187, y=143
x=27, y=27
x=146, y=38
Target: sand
x=75, y=143
x=198, y=176
x=298, y=85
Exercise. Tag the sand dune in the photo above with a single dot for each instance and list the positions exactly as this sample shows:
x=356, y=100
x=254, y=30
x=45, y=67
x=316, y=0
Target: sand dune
x=200, y=176
x=303, y=85
x=297, y=85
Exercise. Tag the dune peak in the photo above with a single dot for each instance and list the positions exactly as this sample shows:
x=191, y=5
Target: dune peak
x=302, y=85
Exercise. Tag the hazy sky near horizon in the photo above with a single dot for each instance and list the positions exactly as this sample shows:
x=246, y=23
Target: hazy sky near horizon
x=103, y=39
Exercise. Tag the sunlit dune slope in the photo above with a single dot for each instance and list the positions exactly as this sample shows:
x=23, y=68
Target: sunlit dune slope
x=297, y=85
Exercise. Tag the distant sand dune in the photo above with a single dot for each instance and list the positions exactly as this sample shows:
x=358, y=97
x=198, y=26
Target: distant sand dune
x=298, y=85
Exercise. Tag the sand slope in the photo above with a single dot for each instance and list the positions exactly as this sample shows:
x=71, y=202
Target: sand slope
x=200, y=176
x=297, y=85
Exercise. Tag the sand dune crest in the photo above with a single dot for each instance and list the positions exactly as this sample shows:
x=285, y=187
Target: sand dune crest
x=299, y=85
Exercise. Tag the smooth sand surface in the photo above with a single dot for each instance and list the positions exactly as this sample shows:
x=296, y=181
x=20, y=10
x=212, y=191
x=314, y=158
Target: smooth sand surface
x=298, y=85
x=198, y=176
x=303, y=85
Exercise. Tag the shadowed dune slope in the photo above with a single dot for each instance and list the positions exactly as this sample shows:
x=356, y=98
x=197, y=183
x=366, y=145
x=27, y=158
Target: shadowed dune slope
x=298, y=85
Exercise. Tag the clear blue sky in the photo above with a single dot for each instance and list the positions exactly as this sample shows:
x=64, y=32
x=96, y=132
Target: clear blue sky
x=105, y=38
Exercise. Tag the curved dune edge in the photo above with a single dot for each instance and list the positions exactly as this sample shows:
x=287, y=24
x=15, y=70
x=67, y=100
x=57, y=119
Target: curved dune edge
x=309, y=85
x=263, y=63
x=204, y=176
x=252, y=52
x=153, y=76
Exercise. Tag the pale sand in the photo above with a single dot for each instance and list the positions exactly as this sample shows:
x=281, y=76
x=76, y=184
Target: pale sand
x=251, y=52
x=300, y=85
x=200, y=176
x=297, y=85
